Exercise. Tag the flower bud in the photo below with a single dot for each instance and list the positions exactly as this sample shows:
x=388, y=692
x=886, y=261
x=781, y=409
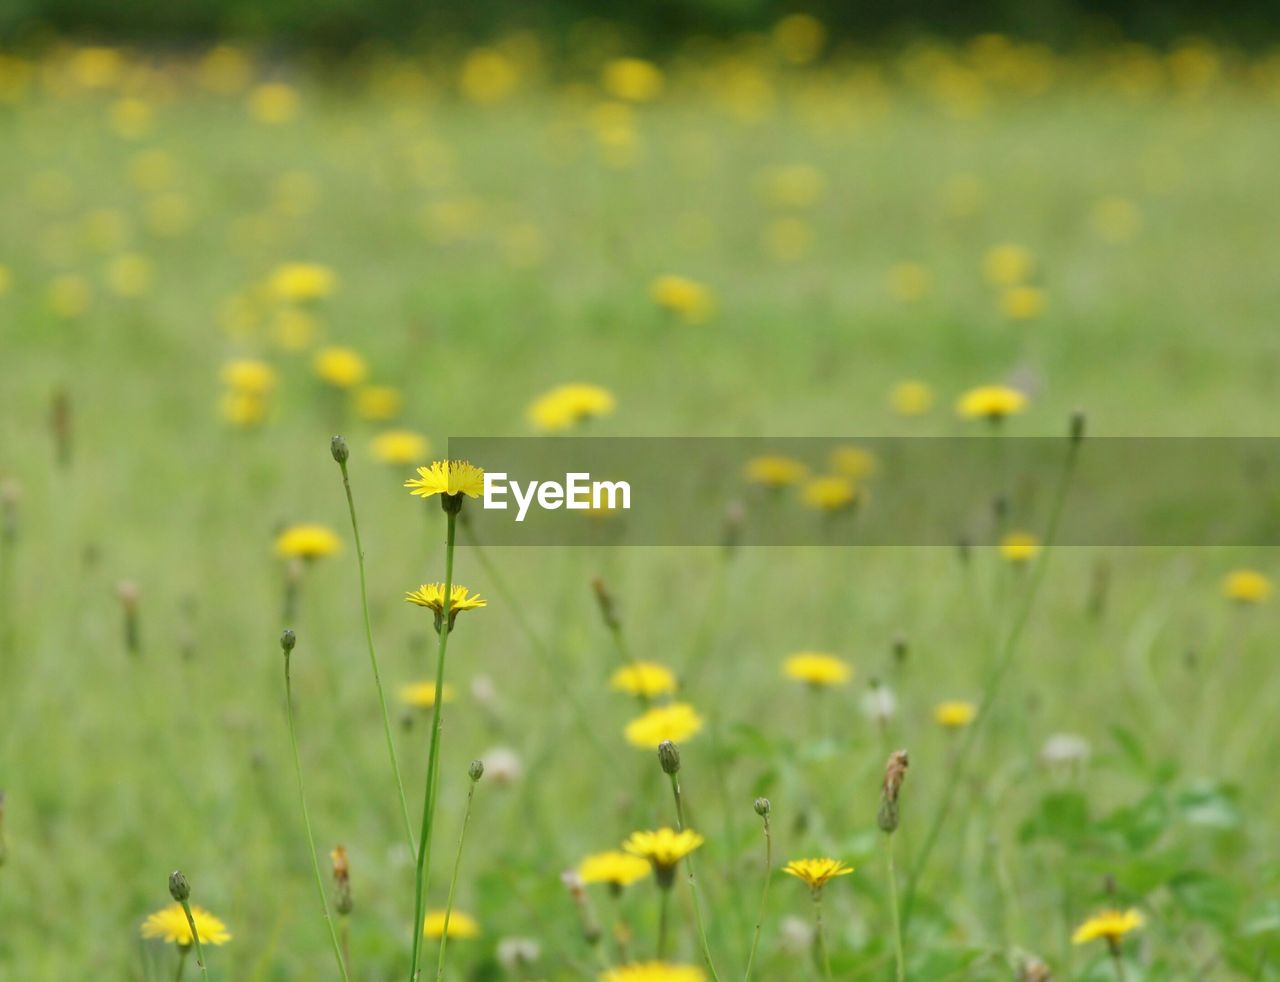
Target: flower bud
x=338, y=447
x=895, y=770
x=476, y=770
x=763, y=807
x=669, y=757
x=288, y=639
x=179, y=888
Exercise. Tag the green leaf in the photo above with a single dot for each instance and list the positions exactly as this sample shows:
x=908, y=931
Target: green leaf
x=1206, y=897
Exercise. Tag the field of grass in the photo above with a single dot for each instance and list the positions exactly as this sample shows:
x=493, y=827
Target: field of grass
x=1097, y=231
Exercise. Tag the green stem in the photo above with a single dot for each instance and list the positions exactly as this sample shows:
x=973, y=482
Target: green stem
x=764, y=895
x=195, y=939
x=182, y=958
x=693, y=886
x=819, y=937
x=433, y=755
x=311, y=840
x=1000, y=669
x=453, y=882
x=893, y=903
x=1117, y=960
x=664, y=903
x=373, y=659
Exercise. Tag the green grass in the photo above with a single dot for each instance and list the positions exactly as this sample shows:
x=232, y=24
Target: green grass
x=118, y=769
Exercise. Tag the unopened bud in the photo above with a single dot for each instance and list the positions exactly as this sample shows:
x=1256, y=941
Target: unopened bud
x=604, y=599
x=763, y=807
x=669, y=757
x=342, y=900
x=179, y=888
x=476, y=770
x=288, y=639
x=895, y=770
x=338, y=447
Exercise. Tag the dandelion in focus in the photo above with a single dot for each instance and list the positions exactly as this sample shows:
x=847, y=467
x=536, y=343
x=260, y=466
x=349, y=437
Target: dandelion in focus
x=663, y=848
x=169, y=924
x=431, y=596
x=449, y=478
x=816, y=872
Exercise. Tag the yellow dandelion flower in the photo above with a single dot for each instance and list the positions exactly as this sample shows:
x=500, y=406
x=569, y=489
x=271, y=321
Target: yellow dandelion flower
x=817, y=668
x=1019, y=547
x=400, y=447
x=70, y=296
x=341, y=367
x=644, y=678
x=378, y=403
x=293, y=329
x=1246, y=586
x=775, y=471
x=911, y=398
x=448, y=477
x=691, y=301
x=567, y=405
x=618, y=869
x=431, y=595
x=853, y=462
x=831, y=493
x=663, y=848
x=249, y=376
x=991, y=402
x=955, y=714
x=460, y=925
x=633, y=79
x=308, y=541
x=422, y=695
x=676, y=722
x=799, y=38
x=488, y=76
x=169, y=924
x=653, y=972
x=1023, y=303
x=1109, y=924
x=130, y=118
x=273, y=102
x=302, y=282
x=129, y=275
x=1008, y=264
x=244, y=409
x=816, y=872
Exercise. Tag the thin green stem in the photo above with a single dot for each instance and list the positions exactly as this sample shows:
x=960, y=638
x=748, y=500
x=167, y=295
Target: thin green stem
x=433, y=755
x=373, y=659
x=764, y=895
x=453, y=882
x=195, y=938
x=819, y=937
x=693, y=886
x=664, y=904
x=311, y=840
x=1117, y=960
x=899, y=957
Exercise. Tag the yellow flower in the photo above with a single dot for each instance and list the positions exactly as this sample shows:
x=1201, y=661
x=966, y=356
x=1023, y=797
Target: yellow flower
x=633, y=79
x=129, y=275
x=618, y=869
x=301, y=282
x=431, y=595
x=675, y=722
x=307, y=542
x=169, y=924
x=1019, y=547
x=1023, y=303
x=1246, y=586
x=794, y=186
x=488, y=76
x=249, y=376
x=460, y=925
x=243, y=408
x=567, y=405
x=653, y=972
x=644, y=678
x=449, y=477
x=831, y=493
x=1008, y=264
x=799, y=38
x=400, y=447
x=662, y=847
x=70, y=295
x=991, y=402
x=853, y=462
x=955, y=714
x=273, y=102
x=910, y=282
x=340, y=367
x=422, y=695
x=130, y=118
x=816, y=668
x=775, y=471
x=1110, y=924
x=688, y=299
x=377, y=403
x=816, y=872
x=911, y=398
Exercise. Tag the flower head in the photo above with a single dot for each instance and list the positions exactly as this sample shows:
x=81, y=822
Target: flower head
x=832, y=493
x=378, y=403
x=991, y=402
x=567, y=405
x=1019, y=547
x=618, y=869
x=431, y=595
x=422, y=695
x=816, y=668
x=688, y=299
x=852, y=462
x=675, y=722
x=664, y=848
x=816, y=872
x=1008, y=264
x=400, y=447
x=460, y=925
x=449, y=477
x=955, y=714
x=1110, y=924
x=644, y=678
x=300, y=282
x=653, y=972
x=169, y=924
x=308, y=541
x=249, y=376
x=1246, y=586
x=911, y=398
x=775, y=471
x=343, y=368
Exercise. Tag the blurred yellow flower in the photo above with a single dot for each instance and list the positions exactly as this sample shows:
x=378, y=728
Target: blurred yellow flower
x=130, y=118
x=831, y=493
x=447, y=477
x=129, y=275
x=248, y=375
x=567, y=405
x=1019, y=547
x=460, y=925
x=794, y=185
x=273, y=103
x=487, y=76
x=664, y=848
x=618, y=869
x=644, y=678
x=168, y=215
x=293, y=329
x=955, y=714
x=691, y=301
x=307, y=541
x=633, y=79
x=152, y=170
x=1023, y=303
x=169, y=924
x=775, y=471
x=676, y=722
x=224, y=69
x=1246, y=586
x=991, y=402
x=301, y=282
x=400, y=447
x=1115, y=219
x=788, y=240
x=816, y=872
x=853, y=462
x=243, y=409
x=96, y=67
x=798, y=38
x=1109, y=924
x=378, y=403
x=341, y=367
x=422, y=695
x=653, y=972
x=817, y=668
x=910, y=282
x=70, y=295
x=911, y=397
x=1008, y=264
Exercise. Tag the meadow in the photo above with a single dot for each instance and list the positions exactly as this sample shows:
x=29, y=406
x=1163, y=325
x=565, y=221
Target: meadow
x=212, y=262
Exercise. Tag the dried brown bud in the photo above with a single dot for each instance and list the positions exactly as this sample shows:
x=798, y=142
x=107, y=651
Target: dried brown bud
x=608, y=609
x=342, y=901
x=895, y=771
